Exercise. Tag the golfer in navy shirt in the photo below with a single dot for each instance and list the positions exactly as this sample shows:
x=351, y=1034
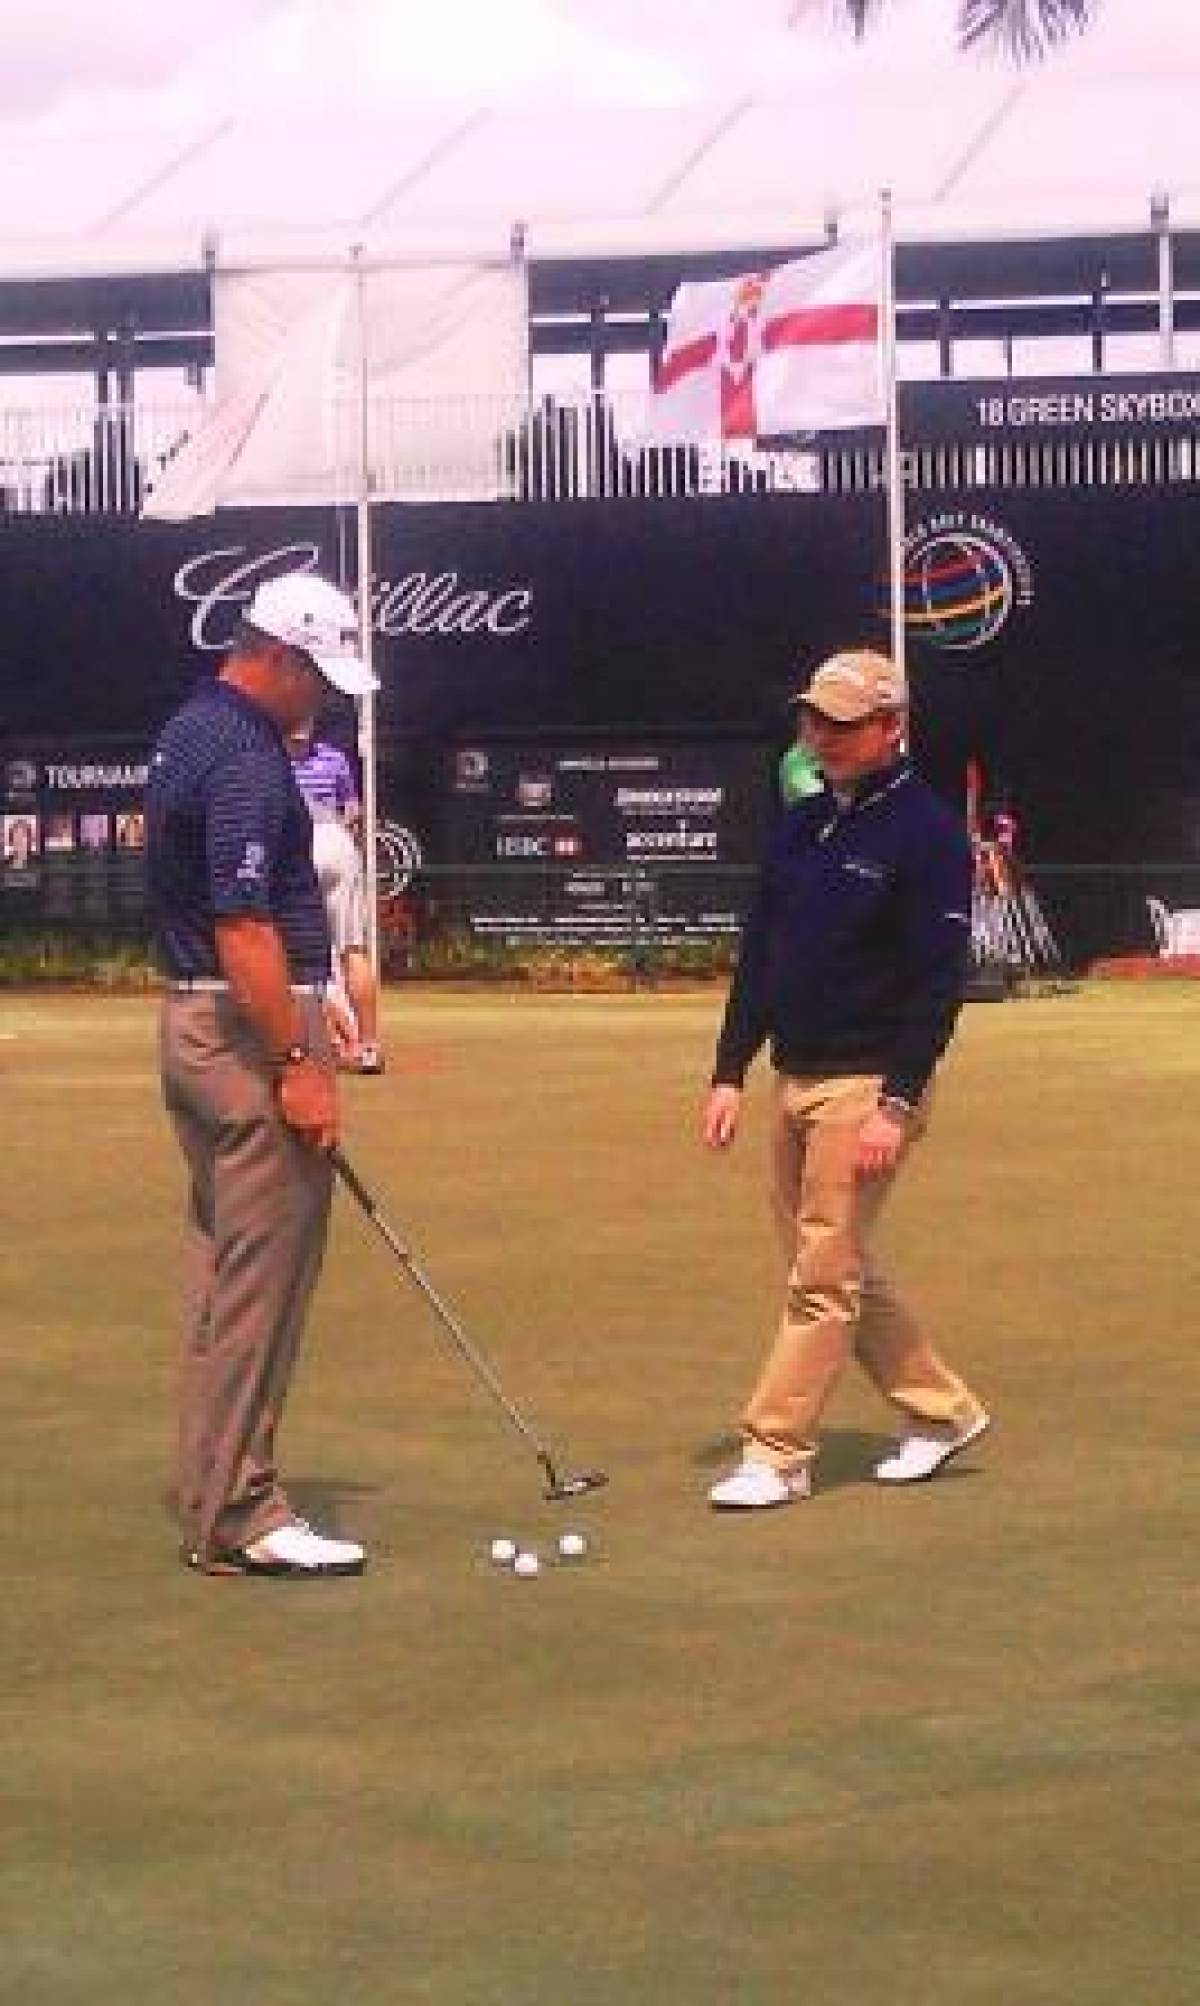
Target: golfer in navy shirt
x=247, y=1068
x=853, y=959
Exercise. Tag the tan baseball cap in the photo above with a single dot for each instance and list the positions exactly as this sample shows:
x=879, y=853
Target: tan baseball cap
x=854, y=685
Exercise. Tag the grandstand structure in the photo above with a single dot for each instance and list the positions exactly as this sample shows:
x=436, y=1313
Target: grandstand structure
x=123, y=362
x=1047, y=231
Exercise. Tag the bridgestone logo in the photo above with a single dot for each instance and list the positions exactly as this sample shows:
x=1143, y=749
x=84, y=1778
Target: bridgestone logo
x=667, y=800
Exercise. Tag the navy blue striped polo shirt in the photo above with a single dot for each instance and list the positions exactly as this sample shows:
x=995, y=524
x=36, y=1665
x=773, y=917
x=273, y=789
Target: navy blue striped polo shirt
x=228, y=836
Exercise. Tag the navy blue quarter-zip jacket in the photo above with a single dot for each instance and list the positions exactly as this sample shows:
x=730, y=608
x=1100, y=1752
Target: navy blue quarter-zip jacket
x=856, y=948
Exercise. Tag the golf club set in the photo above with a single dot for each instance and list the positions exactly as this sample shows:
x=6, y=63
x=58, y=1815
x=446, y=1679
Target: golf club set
x=559, y=1486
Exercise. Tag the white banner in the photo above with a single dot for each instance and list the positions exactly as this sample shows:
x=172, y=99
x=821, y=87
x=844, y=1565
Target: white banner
x=442, y=351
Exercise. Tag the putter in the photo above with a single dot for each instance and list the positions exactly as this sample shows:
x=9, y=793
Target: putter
x=558, y=1486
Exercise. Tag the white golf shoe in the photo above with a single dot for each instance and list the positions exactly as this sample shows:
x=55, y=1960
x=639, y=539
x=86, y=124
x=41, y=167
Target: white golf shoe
x=755, y=1486
x=921, y=1452
x=293, y=1549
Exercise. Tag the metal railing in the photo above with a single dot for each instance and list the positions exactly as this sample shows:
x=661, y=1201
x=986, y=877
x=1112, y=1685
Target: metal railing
x=73, y=459
x=77, y=460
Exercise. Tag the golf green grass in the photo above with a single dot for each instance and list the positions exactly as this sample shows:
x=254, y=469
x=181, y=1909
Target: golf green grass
x=880, y=1749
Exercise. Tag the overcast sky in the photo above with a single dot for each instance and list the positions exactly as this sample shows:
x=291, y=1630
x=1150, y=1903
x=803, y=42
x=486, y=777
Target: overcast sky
x=84, y=63
x=77, y=56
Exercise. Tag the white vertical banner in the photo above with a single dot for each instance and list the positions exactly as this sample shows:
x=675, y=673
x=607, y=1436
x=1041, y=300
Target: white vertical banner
x=449, y=349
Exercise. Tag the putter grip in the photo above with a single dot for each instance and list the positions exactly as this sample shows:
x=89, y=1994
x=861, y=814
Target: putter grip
x=352, y=1181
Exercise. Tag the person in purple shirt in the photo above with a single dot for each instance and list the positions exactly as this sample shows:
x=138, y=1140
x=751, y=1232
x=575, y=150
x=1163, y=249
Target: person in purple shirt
x=324, y=778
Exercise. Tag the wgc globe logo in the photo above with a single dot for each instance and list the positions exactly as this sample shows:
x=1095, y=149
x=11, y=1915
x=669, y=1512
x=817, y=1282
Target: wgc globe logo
x=963, y=578
x=398, y=858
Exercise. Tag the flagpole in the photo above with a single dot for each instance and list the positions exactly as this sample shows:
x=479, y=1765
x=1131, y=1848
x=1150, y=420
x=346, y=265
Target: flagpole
x=367, y=750
x=895, y=482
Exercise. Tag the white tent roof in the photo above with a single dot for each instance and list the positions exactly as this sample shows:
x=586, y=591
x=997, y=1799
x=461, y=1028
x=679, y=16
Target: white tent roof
x=700, y=137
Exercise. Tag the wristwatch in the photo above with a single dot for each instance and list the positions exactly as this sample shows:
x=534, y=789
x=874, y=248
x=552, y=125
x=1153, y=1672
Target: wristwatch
x=894, y=1106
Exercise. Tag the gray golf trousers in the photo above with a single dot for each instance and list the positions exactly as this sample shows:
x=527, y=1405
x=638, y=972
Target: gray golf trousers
x=257, y=1221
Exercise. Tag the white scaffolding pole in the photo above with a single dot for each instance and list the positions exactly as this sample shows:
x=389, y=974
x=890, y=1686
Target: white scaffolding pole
x=367, y=749
x=1160, y=223
x=895, y=483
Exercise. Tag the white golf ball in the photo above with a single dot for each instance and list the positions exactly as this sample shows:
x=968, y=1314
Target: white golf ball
x=504, y=1552
x=572, y=1545
x=526, y=1564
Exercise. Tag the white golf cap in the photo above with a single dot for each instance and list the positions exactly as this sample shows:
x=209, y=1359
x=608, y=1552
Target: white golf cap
x=308, y=613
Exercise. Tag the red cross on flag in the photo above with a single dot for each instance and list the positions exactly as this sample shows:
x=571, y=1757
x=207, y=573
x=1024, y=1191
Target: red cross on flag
x=796, y=349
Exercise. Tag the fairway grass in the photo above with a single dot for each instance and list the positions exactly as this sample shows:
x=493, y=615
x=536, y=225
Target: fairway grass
x=880, y=1749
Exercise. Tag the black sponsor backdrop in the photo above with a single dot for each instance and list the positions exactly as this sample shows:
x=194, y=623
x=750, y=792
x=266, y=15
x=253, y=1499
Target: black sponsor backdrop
x=605, y=803
x=1085, y=707
x=998, y=410
x=673, y=816
x=665, y=620
x=641, y=623
x=84, y=862
x=661, y=615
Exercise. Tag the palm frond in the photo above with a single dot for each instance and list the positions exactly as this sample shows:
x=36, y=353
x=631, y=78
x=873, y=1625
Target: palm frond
x=1024, y=30
x=859, y=13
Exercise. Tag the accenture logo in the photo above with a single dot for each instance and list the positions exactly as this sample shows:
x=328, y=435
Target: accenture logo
x=964, y=576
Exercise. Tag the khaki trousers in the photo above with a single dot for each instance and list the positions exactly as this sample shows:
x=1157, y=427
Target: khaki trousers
x=257, y=1221
x=838, y=1305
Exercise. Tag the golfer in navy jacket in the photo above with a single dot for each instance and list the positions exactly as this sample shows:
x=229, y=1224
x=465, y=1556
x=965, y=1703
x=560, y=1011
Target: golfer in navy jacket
x=853, y=960
x=246, y=1062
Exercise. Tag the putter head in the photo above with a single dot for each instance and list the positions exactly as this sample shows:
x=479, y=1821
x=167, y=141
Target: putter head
x=558, y=1489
